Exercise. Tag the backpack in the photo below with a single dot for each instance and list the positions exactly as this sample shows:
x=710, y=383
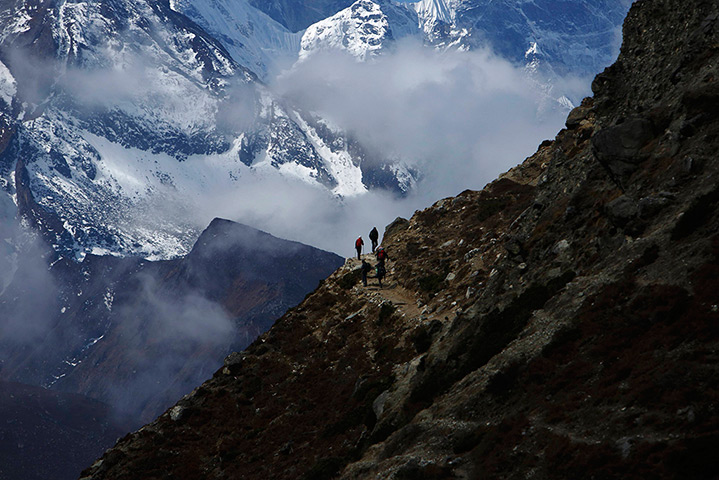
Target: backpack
x=381, y=254
x=358, y=242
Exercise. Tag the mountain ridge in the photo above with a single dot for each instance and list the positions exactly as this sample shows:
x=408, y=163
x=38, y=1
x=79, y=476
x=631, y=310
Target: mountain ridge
x=135, y=334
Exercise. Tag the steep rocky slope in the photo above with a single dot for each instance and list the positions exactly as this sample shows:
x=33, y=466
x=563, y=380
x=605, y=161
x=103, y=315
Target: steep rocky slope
x=561, y=323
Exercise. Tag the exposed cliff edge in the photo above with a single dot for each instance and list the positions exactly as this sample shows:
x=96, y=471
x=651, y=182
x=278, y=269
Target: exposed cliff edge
x=561, y=323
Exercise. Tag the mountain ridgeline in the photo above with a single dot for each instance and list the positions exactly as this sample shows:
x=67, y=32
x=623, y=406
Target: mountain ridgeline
x=111, y=318
x=121, y=339
x=562, y=322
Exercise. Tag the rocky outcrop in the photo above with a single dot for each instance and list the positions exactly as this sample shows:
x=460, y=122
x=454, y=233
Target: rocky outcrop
x=560, y=323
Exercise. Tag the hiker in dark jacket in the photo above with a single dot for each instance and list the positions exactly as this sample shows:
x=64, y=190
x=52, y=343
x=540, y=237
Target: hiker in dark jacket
x=358, y=246
x=366, y=268
x=374, y=236
x=381, y=270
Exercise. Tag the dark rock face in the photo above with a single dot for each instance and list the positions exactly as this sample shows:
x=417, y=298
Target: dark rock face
x=560, y=323
x=619, y=147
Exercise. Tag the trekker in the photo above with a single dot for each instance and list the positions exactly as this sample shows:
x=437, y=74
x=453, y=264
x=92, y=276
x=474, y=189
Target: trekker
x=381, y=272
x=366, y=268
x=358, y=246
x=374, y=236
x=381, y=256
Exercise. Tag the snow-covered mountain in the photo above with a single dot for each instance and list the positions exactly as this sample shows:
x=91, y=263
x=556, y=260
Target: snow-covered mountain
x=362, y=29
x=577, y=37
x=549, y=39
x=297, y=15
x=121, y=116
x=434, y=15
x=570, y=37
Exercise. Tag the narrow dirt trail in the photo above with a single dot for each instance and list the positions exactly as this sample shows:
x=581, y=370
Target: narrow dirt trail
x=404, y=300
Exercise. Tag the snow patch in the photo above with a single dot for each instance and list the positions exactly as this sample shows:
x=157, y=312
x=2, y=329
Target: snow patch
x=533, y=50
x=432, y=12
x=340, y=165
x=252, y=38
x=8, y=85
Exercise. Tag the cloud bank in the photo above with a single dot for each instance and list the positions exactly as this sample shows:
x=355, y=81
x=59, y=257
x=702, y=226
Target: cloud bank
x=461, y=118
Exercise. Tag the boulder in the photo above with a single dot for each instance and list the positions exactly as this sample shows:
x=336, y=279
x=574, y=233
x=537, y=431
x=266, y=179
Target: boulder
x=619, y=148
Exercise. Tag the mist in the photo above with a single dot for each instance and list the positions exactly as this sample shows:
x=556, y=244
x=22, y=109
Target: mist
x=23, y=273
x=167, y=344
x=294, y=210
x=460, y=118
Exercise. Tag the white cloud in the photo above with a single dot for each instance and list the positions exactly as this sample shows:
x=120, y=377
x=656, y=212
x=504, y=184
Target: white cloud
x=460, y=117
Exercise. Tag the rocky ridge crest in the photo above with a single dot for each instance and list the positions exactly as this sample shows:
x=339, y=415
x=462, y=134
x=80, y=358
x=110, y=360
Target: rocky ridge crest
x=560, y=323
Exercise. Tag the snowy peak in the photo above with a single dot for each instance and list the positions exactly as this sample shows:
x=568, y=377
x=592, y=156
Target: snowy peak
x=101, y=34
x=361, y=29
x=138, y=112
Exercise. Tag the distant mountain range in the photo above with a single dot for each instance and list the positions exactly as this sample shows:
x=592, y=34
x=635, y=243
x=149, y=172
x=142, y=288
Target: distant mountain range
x=118, y=116
x=577, y=37
x=109, y=322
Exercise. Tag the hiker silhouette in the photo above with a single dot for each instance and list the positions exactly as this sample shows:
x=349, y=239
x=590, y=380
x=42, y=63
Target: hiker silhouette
x=374, y=237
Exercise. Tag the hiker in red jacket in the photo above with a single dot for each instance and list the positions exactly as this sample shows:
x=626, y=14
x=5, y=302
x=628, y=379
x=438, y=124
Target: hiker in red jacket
x=381, y=255
x=358, y=246
x=381, y=271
